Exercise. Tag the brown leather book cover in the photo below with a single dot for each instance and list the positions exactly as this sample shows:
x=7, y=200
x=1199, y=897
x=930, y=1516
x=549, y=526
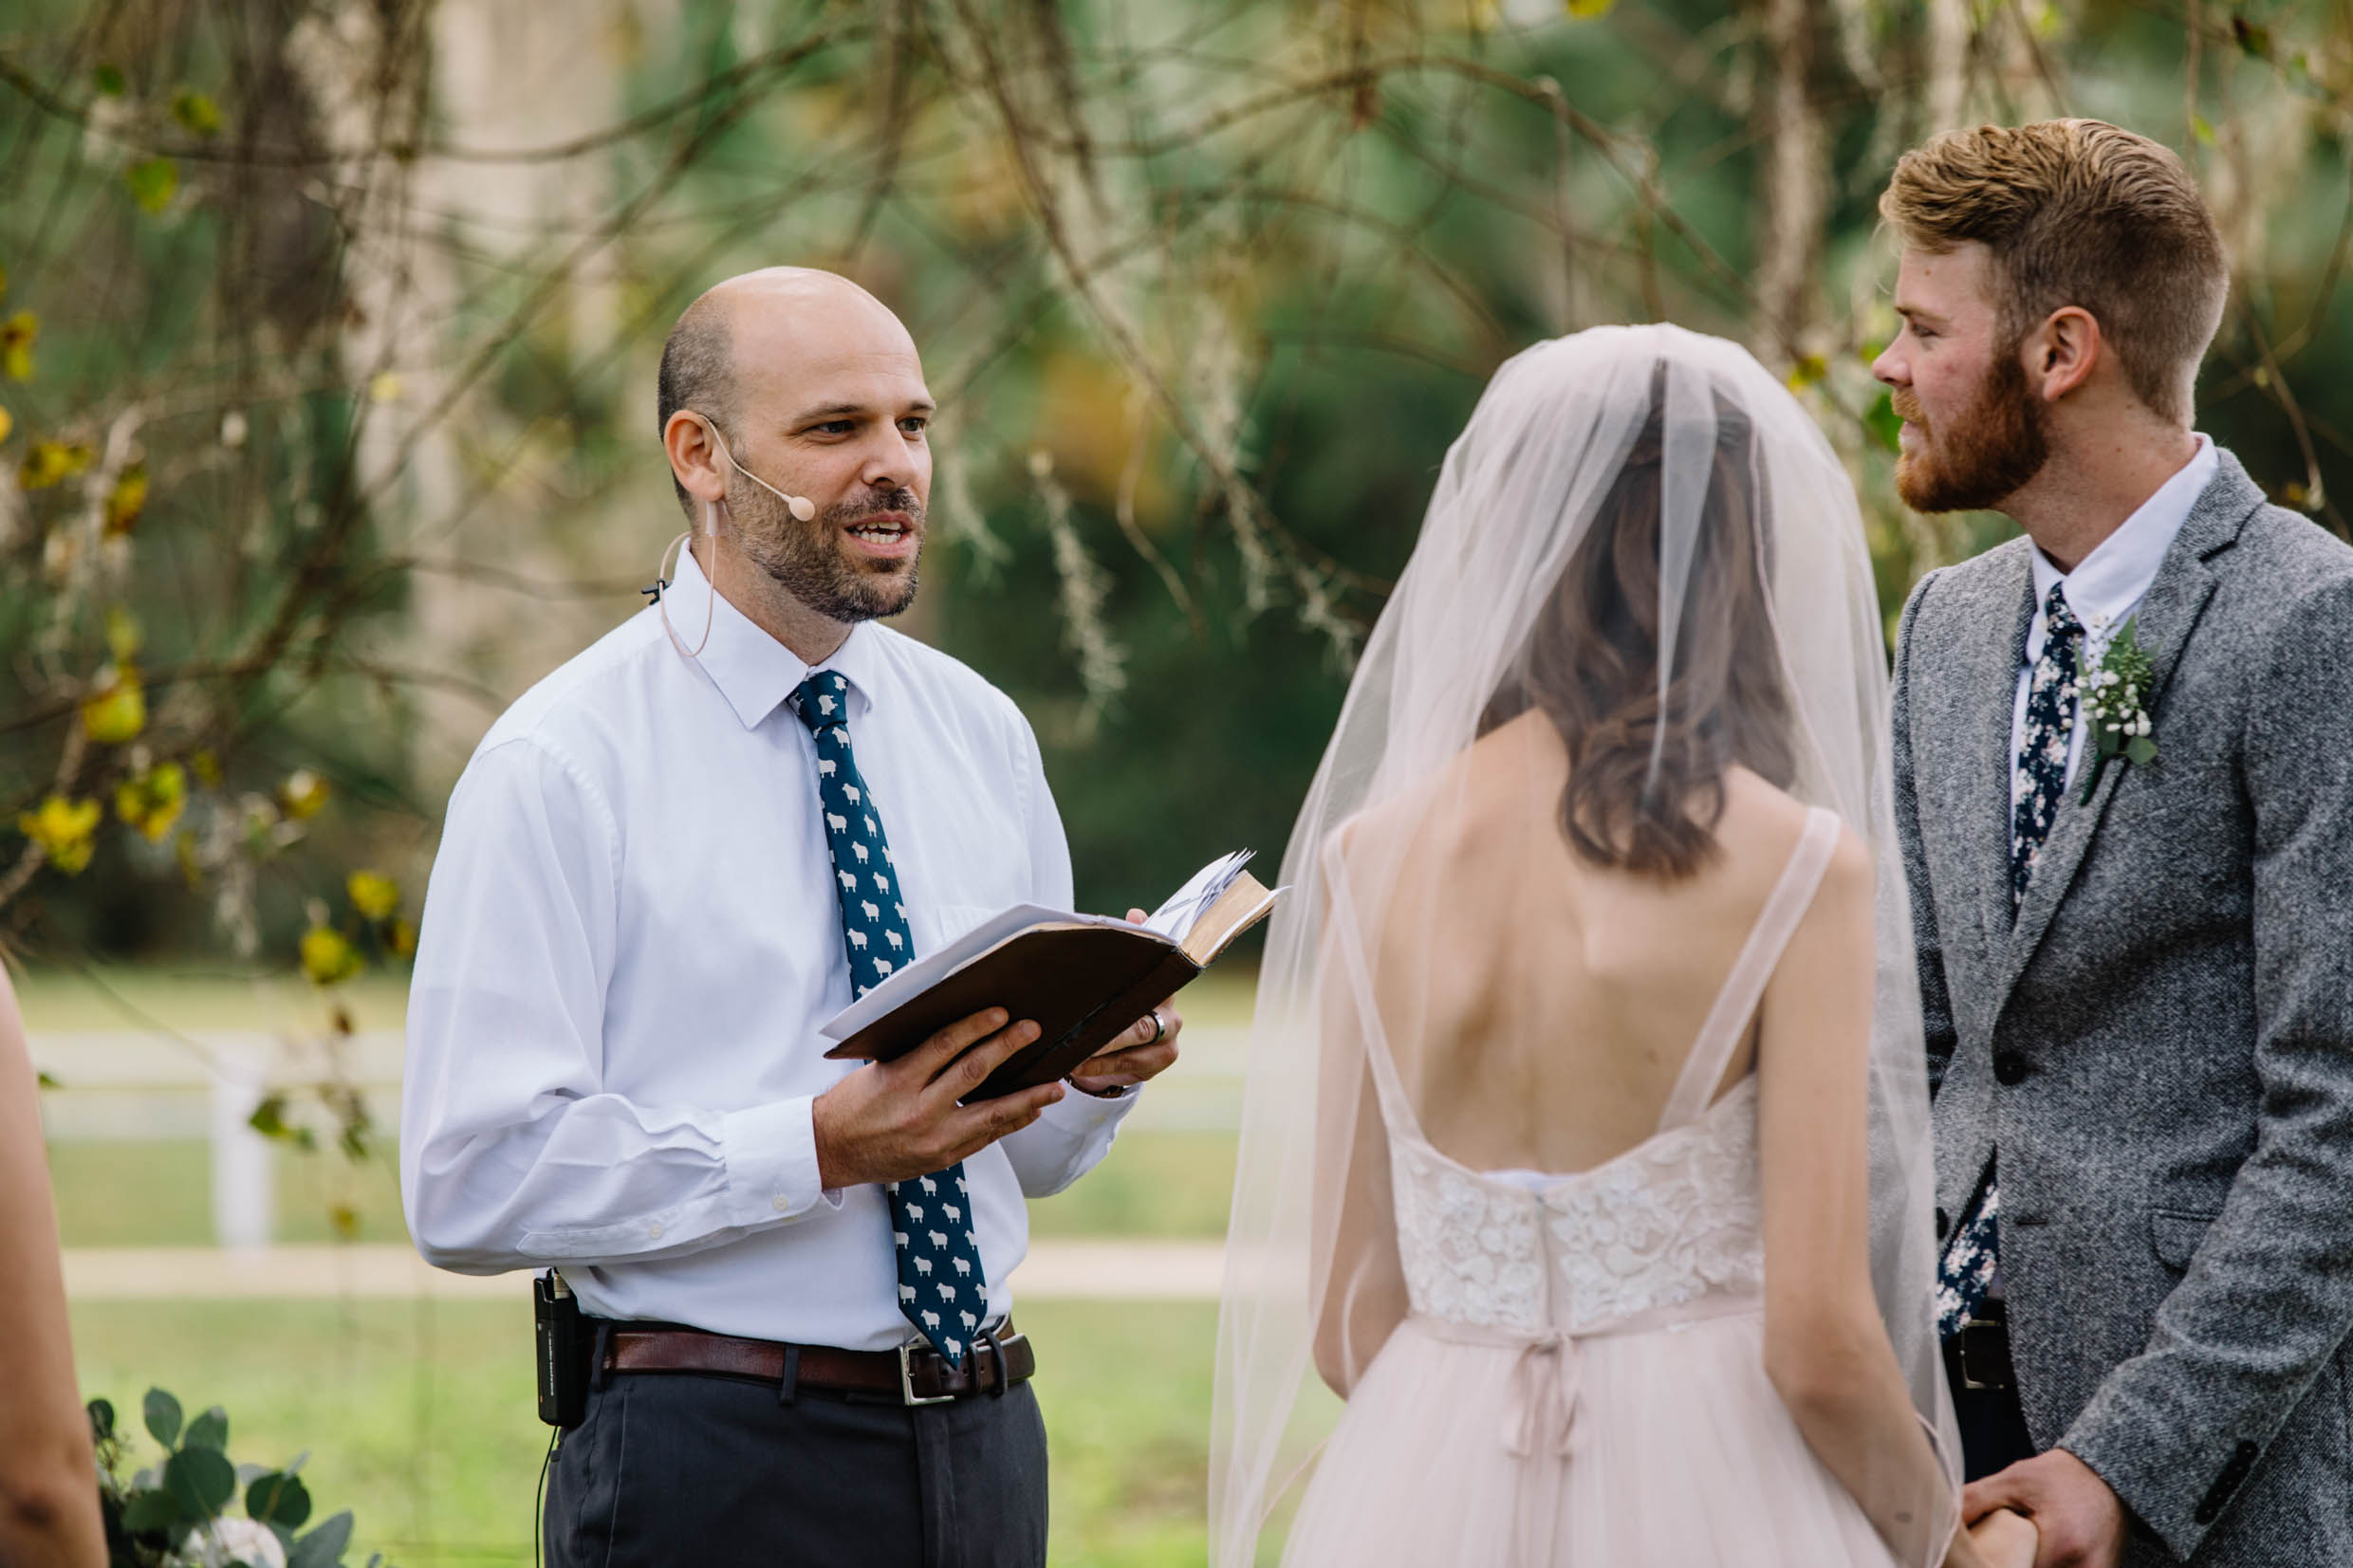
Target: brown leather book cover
x=1082, y=984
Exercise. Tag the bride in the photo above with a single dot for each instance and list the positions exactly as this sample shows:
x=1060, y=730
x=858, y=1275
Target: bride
x=1585, y=1149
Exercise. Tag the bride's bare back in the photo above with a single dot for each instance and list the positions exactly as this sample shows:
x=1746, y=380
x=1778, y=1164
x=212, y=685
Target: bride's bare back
x=1539, y=1006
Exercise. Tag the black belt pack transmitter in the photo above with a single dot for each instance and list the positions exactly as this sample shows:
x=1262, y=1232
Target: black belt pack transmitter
x=565, y=1341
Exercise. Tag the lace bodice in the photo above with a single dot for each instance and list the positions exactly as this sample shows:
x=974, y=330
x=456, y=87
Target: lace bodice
x=1672, y=1224
x=1668, y=1223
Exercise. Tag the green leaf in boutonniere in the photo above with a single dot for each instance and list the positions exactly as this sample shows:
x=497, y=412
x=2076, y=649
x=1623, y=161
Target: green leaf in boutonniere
x=2116, y=705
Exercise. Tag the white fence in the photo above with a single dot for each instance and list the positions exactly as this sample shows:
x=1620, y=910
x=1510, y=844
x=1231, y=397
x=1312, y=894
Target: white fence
x=127, y=1086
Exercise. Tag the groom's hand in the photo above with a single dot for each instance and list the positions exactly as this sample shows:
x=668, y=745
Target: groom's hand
x=2079, y=1521
x=1142, y=1051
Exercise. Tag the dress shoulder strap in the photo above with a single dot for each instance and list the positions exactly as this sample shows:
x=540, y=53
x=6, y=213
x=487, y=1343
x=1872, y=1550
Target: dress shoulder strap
x=1728, y=1020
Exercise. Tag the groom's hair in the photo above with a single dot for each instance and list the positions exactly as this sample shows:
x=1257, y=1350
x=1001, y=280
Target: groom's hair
x=2078, y=212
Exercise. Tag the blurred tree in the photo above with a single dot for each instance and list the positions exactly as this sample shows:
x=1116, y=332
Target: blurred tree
x=328, y=329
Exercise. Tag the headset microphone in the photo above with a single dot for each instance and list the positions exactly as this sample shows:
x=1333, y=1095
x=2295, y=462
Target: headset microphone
x=800, y=505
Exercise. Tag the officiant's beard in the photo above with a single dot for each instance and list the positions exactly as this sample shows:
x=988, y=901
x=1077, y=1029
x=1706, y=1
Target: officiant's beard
x=815, y=562
x=1973, y=460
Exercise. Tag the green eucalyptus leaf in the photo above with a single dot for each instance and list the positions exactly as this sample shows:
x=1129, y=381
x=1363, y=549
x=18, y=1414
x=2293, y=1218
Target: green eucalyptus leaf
x=200, y=1479
x=148, y=1512
x=2141, y=750
x=323, y=1547
x=208, y=1430
x=278, y=1499
x=163, y=1418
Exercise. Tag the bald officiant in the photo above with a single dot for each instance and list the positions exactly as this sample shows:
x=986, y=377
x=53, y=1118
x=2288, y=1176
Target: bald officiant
x=665, y=868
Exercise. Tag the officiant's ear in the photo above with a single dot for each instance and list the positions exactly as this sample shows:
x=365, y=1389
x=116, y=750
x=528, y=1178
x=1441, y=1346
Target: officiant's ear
x=694, y=460
x=2061, y=354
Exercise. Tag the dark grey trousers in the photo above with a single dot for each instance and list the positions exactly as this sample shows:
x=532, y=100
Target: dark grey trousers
x=682, y=1468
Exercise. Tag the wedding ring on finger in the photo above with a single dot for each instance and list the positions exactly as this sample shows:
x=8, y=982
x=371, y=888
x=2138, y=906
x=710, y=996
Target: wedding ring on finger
x=1160, y=1028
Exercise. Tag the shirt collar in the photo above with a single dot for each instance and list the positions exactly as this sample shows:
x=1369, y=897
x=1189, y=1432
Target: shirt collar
x=753, y=670
x=2106, y=583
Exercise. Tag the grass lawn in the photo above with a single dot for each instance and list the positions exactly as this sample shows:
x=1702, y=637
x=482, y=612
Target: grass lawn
x=418, y=1416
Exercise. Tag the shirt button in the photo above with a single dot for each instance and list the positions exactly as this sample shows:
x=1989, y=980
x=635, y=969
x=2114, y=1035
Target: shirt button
x=781, y=1204
x=2009, y=1069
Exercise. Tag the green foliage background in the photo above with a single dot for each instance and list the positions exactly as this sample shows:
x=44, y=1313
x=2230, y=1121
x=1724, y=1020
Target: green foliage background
x=1206, y=289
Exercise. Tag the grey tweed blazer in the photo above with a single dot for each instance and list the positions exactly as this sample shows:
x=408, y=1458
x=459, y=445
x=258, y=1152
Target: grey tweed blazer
x=2161, y=1045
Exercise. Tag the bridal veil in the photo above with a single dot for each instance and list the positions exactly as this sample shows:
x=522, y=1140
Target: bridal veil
x=1519, y=494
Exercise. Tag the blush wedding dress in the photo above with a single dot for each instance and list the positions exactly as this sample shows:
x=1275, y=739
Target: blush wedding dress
x=1582, y=1381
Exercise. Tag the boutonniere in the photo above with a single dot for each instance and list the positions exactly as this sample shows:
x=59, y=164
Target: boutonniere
x=2116, y=705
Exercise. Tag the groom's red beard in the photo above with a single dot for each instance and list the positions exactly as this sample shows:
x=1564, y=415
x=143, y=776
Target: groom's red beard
x=1985, y=452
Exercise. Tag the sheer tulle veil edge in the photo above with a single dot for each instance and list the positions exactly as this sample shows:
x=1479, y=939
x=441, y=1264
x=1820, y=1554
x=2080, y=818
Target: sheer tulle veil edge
x=1519, y=490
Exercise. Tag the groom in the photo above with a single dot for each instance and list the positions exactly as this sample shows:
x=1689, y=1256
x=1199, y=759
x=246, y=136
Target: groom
x=2135, y=926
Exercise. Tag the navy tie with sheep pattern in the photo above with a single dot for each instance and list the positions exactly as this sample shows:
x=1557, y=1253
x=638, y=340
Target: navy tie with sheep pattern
x=941, y=1288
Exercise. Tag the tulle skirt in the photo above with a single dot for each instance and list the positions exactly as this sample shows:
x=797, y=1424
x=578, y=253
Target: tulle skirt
x=1660, y=1448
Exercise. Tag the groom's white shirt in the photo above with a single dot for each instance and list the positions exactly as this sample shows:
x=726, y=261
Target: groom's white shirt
x=2108, y=585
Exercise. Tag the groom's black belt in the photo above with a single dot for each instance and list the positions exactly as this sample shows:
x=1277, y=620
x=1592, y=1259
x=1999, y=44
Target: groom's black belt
x=915, y=1374
x=1978, y=1356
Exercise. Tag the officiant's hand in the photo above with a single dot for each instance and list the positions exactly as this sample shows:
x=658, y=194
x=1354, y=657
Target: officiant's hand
x=2080, y=1520
x=897, y=1120
x=1145, y=1050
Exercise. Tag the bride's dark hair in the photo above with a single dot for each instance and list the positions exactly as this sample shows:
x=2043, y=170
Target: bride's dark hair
x=1591, y=664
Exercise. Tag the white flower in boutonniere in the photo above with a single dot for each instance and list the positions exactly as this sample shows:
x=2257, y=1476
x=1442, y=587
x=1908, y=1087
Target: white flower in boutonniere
x=2116, y=705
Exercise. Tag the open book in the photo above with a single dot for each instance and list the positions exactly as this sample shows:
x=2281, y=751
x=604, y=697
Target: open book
x=1081, y=977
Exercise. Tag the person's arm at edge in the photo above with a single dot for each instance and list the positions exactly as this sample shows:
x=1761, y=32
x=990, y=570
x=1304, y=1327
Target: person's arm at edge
x=48, y=1480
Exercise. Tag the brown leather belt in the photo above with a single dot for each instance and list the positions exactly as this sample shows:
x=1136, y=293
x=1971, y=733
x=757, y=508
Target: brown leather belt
x=913, y=1374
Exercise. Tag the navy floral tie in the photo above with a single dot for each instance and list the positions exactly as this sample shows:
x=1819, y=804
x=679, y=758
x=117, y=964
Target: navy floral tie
x=941, y=1288
x=1973, y=1255
x=2042, y=779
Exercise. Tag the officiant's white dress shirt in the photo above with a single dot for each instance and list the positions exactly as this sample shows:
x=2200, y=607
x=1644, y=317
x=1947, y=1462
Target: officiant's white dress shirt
x=629, y=941
x=2107, y=585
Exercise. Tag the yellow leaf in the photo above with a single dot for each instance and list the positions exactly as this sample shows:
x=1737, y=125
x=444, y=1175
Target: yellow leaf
x=7, y=423
x=118, y=710
x=375, y=895
x=151, y=801
x=126, y=502
x=122, y=634
x=1586, y=11
x=304, y=794
x=49, y=462
x=18, y=333
x=328, y=957
x=63, y=828
x=385, y=387
x=195, y=111
x=153, y=181
x=1808, y=369
x=403, y=938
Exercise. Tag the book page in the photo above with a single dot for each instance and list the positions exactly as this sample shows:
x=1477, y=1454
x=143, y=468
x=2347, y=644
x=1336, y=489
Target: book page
x=1185, y=907
x=1240, y=907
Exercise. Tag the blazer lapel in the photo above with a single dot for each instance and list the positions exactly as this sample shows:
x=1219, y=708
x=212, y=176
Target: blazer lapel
x=1993, y=686
x=2167, y=617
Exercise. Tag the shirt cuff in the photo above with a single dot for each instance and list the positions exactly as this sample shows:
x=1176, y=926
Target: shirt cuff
x=1081, y=1114
x=771, y=1162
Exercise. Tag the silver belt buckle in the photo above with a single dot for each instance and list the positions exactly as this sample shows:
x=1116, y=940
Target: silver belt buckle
x=906, y=1380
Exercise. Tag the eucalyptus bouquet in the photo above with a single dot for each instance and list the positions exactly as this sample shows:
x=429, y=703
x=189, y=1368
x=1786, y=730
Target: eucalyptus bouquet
x=174, y=1514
